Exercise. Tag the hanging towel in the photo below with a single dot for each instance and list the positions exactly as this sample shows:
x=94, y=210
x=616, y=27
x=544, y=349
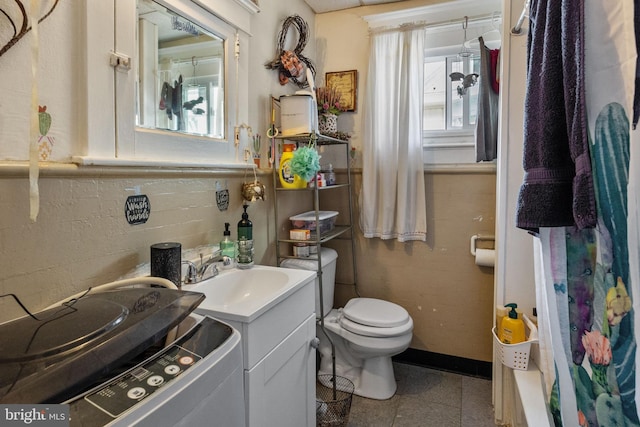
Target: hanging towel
x=486, y=131
x=558, y=185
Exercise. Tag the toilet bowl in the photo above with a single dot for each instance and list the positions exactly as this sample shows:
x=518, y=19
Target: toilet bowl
x=365, y=334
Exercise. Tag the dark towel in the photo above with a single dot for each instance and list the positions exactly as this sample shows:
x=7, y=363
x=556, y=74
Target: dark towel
x=558, y=185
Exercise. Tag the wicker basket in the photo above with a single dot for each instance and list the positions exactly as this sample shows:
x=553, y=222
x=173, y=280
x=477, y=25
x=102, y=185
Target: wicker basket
x=516, y=356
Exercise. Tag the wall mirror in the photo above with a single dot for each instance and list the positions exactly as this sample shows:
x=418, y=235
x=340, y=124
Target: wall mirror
x=181, y=81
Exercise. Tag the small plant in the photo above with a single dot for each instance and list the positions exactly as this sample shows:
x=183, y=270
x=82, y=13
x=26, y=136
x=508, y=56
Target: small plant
x=329, y=100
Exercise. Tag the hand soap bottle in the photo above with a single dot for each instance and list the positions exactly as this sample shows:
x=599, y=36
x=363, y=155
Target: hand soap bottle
x=245, y=241
x=512, y=328
x=227, y=246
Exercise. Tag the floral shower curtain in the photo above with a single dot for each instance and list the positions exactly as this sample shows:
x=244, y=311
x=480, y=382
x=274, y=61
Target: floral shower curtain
x=393, y=192
x=590, y=279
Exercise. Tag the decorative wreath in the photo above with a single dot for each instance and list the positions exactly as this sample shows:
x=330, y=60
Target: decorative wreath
x=289, y=63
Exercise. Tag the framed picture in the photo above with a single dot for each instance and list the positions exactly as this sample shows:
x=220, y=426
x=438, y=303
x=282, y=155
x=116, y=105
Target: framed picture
x=347, y=83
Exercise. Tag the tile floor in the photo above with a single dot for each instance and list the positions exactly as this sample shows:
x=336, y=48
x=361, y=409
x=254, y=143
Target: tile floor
x=425, y=398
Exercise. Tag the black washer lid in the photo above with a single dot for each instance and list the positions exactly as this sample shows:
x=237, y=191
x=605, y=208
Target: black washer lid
x=53, y=359
x=60, y=329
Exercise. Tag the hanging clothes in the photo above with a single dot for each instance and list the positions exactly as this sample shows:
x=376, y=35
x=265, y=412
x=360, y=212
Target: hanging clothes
x=393, y=193
x=486, y=131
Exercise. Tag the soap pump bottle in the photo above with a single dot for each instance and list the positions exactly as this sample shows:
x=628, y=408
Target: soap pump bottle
x=512, y=328
x=245, y=241
x=331, y=176
x=227, y=246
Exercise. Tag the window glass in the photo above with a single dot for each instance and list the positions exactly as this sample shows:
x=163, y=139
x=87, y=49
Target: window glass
x=450, y=104
x=181, y=74
x=435, y=97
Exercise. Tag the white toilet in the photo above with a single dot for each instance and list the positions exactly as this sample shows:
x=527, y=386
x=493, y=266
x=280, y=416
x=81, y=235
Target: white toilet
x=366, y=333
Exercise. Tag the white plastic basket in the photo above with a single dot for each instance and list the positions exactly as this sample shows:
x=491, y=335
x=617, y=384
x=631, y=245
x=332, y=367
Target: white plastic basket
x=516, y=356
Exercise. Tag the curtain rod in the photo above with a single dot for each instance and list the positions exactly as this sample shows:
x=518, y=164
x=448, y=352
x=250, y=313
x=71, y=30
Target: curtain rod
x=517, y=29
x=441, y=24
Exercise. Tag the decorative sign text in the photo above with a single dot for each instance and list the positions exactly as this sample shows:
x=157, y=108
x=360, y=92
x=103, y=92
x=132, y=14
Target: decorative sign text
x=137, y=209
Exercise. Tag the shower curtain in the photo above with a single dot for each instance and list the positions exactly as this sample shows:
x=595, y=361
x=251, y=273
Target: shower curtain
x=393, y=192
x=589, y=286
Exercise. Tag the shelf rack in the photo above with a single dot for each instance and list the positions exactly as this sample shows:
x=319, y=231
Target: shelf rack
x=341, y=231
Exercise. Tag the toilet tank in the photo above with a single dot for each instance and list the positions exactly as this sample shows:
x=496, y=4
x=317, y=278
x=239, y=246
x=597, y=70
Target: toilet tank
x=329, y=257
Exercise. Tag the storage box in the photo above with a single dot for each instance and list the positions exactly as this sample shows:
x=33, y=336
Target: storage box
x=298, y=115
x=297, y=234
x=307, y=221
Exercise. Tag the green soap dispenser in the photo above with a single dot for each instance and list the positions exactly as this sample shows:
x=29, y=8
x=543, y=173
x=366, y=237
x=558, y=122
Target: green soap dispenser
x=245, y=241
x=227, y=246
x=512, y=328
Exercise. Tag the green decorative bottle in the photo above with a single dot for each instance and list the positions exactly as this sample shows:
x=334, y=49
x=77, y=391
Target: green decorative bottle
x=245, y=241
x=227, y=246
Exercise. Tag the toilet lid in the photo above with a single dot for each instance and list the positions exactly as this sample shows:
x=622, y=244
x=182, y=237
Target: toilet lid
x=375, y=312
x=374, y=331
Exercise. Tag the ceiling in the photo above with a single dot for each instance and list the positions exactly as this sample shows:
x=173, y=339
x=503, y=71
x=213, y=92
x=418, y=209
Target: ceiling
x=321, y=6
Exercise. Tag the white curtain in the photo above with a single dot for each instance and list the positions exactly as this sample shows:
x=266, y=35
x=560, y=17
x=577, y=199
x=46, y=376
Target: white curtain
x=393, y=200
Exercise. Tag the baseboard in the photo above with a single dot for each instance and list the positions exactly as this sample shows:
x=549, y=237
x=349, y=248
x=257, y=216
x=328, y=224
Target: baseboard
x=444, y=362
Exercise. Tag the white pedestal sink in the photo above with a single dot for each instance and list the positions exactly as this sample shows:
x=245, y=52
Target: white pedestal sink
x=273, y=308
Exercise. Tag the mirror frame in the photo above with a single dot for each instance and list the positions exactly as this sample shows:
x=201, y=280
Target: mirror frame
x=112, y=135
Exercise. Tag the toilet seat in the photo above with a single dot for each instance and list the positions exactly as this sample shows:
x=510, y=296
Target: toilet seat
x=375, y=318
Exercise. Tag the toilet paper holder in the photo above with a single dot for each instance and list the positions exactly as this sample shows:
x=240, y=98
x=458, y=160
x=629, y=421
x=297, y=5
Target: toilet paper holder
x=477, y=237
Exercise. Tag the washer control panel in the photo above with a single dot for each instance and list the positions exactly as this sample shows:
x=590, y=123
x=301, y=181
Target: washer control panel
x=119, y=395
x=123, y=393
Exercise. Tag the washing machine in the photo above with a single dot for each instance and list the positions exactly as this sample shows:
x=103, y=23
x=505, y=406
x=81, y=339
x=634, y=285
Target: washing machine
x=126, y=357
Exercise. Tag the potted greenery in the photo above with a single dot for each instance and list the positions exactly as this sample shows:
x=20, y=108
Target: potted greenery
x=329, y=107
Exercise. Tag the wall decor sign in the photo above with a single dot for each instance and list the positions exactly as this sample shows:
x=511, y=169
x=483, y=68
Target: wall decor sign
x=137, y=209
x=222, y=195
x=347, y=83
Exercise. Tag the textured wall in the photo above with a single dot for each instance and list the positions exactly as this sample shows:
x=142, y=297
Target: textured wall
x=81, y=237
x=449, y=297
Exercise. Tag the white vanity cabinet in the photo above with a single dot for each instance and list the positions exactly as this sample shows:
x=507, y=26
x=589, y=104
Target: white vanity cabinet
x=280, y=388
x=278, y=359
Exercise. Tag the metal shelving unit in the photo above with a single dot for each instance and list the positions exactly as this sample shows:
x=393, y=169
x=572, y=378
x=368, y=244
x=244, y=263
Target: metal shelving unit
x=341, y=231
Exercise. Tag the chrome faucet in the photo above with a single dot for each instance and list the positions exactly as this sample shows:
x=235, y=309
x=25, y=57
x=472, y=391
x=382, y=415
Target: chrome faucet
x=204, y=265
x=192, y=273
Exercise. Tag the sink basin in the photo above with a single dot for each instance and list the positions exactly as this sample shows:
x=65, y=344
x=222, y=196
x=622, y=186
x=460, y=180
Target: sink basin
x=243, y=295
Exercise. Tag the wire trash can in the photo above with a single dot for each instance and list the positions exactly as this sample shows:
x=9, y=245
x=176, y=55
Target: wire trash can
x=333, y=409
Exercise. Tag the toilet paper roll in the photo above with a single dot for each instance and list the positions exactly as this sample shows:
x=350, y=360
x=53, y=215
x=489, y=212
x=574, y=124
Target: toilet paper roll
x=485, y=257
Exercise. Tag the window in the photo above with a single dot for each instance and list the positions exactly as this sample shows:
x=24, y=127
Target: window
x=448, y=104
x=450, y=108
